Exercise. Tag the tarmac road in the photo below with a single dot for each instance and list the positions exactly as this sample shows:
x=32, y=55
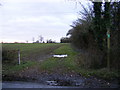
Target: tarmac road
x=19, y=84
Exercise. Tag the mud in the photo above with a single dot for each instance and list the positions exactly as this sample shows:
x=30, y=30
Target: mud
x=65, y=80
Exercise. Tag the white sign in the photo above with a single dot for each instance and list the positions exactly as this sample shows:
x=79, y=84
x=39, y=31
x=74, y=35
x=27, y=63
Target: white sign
x=59, y=56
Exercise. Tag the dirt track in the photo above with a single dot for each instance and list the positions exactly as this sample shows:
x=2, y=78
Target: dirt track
x=41, y=54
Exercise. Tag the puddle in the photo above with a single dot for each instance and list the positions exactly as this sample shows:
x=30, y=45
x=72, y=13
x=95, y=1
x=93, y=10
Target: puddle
x=59, y=82
x=52, y=83
x=60, y=56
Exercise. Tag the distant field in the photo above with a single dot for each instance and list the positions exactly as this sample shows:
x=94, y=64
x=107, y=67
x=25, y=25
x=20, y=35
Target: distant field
x=31, y=51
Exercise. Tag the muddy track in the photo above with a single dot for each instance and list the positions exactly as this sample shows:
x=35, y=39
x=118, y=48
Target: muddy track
x=41, y=54
x=69, y=79
x=65, y=80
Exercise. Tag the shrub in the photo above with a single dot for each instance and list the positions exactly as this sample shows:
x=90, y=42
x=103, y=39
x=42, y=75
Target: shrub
x=9, y=56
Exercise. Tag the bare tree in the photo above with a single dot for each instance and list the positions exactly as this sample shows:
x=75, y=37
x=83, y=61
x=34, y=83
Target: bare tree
x=40, y=38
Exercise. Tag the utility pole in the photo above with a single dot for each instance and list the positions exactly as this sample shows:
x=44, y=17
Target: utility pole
x=108, y=49
x=108, y=24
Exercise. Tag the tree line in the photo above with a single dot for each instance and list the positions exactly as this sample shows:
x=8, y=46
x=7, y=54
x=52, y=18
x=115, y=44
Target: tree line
x=98, y=33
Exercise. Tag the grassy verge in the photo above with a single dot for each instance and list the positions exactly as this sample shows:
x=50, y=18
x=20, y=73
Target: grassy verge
x=99, y=73
x=9, y=69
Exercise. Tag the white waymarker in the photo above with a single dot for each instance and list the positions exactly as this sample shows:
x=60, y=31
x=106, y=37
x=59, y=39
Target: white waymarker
x=19, y=57
x=59, y=56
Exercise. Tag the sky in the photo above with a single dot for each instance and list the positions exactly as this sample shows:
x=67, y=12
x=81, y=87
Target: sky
x=23, y=20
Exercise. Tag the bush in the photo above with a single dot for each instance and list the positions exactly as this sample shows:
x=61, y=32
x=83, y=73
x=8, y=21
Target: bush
x=9, y=56
x=92, y=59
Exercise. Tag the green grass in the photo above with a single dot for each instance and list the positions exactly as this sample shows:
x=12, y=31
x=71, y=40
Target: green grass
x=67, y=64
x=26, y=47
x=99, y=73
x=9, y=69
x=66, y=49
x=30, y=50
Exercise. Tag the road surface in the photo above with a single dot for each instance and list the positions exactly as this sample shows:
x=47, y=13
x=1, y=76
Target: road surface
x=19, y=84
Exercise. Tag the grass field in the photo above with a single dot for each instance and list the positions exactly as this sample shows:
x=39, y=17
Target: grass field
x=30, y=50
x=31, y=54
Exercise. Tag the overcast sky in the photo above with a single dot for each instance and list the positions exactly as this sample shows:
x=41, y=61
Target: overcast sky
x=21, y=20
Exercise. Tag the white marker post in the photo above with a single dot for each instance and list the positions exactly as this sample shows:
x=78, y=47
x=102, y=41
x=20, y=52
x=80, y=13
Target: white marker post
x=18, y=56
x=60, y=56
